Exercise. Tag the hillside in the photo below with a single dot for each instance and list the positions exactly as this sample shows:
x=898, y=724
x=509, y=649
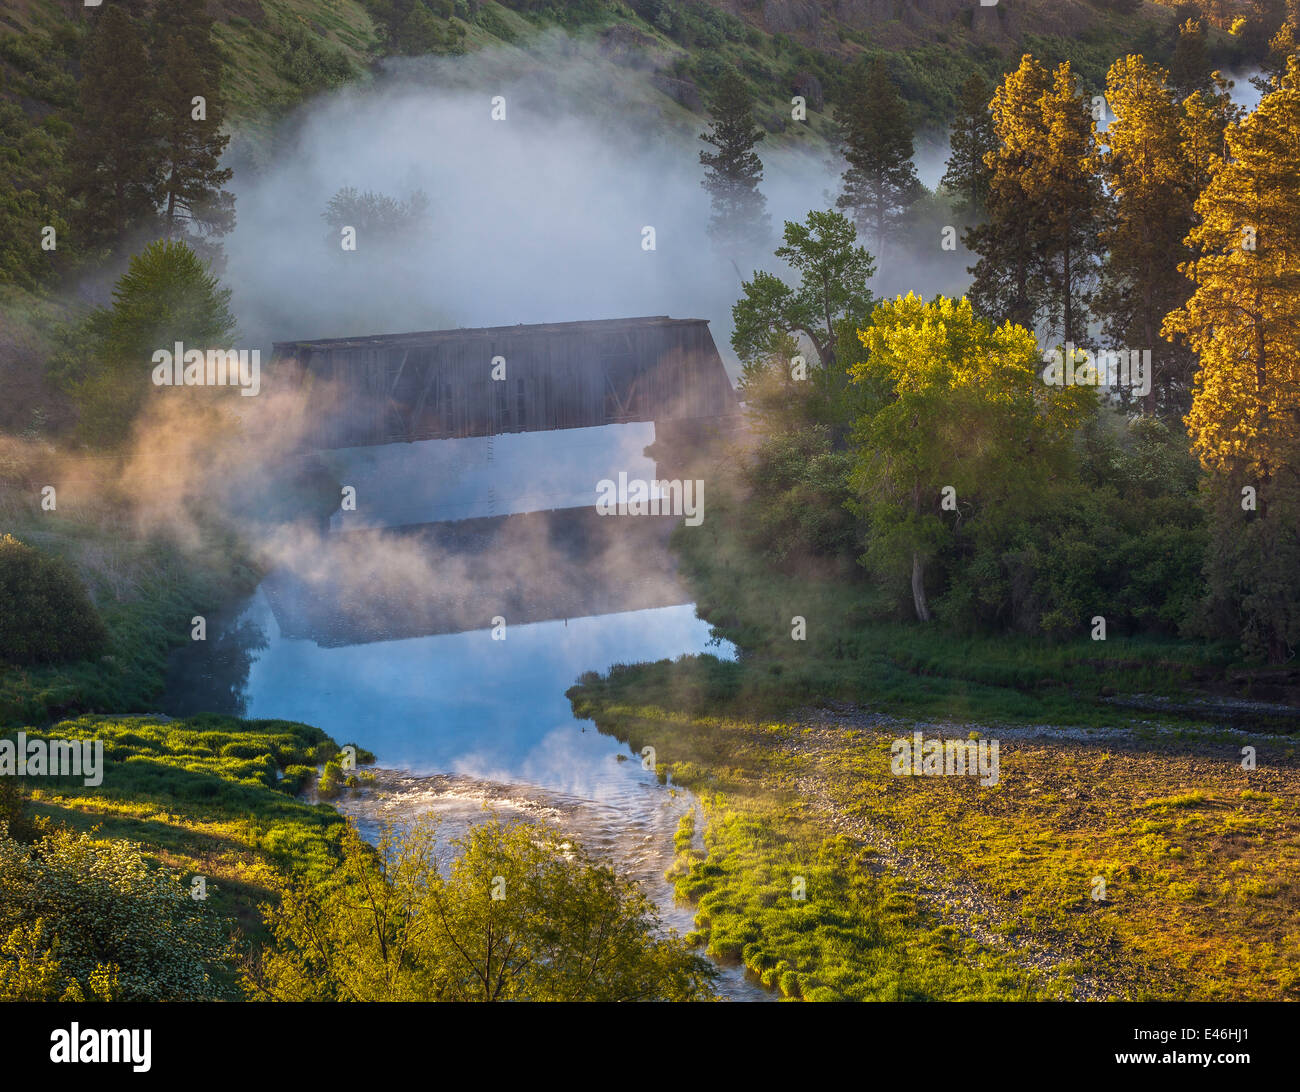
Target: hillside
x=278, y=51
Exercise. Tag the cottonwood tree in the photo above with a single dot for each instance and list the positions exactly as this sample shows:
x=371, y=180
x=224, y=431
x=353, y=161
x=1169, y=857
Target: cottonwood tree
x=1243, y=321
x=739, y=224
x=774, y=322
x=833, y=273
x=962, y=404
x=880, y=184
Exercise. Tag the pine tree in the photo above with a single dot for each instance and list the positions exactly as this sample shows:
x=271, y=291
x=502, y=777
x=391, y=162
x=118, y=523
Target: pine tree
x=1153, y=189
x=972, y=139
x=1204, y=126
x=189, y=105
x=1243, y=320
x=1007, y=278
x=1189, y=70
x=1281, y=47
x=880, y=184
x=114, y=159
x=1070, y=194
x=739, y=224
x=1040, y=248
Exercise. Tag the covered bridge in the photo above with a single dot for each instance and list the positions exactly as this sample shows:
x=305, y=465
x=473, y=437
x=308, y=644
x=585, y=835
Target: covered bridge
x=476, y=382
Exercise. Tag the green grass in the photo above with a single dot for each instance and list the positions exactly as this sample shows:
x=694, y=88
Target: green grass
x=810, y=913
x=1201, y=867
x=203, y=796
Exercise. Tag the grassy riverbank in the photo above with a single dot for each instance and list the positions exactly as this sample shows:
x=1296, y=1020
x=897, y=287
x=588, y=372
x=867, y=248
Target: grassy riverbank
x=205, y=796
x=147, y=595
x=1122, y=854
x=939, y=887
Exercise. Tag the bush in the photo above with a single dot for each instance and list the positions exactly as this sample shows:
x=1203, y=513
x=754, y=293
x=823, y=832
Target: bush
x=509, y=912
x=45, y=614
x=88, y=919
x=307, y=64
x=296, y=778
x=331, y=781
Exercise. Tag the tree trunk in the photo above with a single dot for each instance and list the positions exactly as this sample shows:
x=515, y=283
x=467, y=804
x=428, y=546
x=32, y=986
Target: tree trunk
x=918, y=588
x=171, y=204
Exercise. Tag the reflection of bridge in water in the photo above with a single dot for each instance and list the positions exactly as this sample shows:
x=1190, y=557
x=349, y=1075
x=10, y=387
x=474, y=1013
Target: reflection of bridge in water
x=390, y=584
x=441, y=384
x=364, y=392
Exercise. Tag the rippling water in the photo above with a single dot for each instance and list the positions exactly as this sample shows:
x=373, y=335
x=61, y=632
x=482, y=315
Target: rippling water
x=464, y=725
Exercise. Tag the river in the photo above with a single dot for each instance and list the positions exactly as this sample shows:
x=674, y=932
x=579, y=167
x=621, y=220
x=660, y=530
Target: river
x=455, y=675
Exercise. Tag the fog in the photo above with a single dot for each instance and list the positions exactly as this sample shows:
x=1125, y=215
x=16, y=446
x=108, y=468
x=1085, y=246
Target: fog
x=534, y=218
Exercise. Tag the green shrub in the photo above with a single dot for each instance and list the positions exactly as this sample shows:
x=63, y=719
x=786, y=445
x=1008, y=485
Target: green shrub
x=331, y=781
x=243, y=750
x=45, y=614
x=117, y=928
x=296, y=778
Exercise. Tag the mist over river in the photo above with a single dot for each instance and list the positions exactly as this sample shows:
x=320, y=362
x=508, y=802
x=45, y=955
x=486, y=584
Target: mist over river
x=463, y=725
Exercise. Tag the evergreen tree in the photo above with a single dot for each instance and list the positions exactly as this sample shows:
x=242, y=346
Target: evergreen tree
x=739, y=223
x=1190, y=68
x=1153, y=189
x=188, y=19
x=1040, y=247
x=168, y=294
x=972, y=139
x=1008, y=282
x=1243, y=320
x=880, y=184
x=114, y=159
x=189, y=105
x=1070, y=195
x=1204, y=126
x=1281, y=47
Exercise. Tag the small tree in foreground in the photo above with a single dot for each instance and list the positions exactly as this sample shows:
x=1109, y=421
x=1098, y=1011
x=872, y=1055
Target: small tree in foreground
x=521, y=913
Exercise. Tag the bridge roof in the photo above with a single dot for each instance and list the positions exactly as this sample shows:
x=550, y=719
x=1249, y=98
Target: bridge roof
x=425, y=337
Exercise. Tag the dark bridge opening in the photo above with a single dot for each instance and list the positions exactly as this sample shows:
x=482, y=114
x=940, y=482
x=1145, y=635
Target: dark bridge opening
x=438, y=384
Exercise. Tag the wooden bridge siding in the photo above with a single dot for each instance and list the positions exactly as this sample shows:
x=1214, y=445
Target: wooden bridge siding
x=668, y=373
